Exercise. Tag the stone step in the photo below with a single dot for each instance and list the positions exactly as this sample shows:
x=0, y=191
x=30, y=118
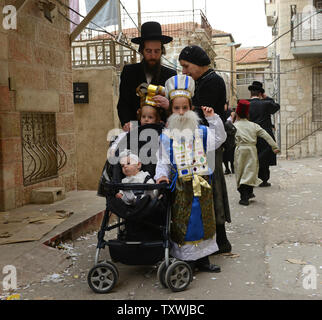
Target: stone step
x=311, y=146
x=47, y=195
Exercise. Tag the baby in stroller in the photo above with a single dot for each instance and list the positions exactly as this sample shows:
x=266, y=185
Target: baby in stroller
x=142, y=225
x=131, y=168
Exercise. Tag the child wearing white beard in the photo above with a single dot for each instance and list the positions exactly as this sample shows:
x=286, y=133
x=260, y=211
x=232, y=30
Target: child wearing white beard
x=183, y=161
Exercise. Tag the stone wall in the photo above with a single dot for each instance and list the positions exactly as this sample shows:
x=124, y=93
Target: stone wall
x=93, y=121
x=37, y=59
x=226, y=60
x=296, y=91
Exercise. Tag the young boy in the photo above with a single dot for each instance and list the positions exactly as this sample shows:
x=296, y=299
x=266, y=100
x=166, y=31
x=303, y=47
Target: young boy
x=183, y=159
x=131, y=168
x=246, y=160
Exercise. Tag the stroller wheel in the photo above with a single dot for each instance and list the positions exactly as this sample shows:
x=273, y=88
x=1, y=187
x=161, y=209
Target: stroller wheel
x=178, y=276
x=162, y=271
x=102, y=277
x=112, y=265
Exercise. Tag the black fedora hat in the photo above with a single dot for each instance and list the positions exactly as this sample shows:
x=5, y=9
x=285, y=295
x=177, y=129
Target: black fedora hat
x=256, y=86
x=151, y=30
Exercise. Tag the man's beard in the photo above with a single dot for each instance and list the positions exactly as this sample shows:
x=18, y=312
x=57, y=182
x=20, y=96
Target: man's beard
x=154, y=70
x=184, y=125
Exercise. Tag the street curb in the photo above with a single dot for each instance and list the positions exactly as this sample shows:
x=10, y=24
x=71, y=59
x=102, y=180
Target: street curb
x=91, y=224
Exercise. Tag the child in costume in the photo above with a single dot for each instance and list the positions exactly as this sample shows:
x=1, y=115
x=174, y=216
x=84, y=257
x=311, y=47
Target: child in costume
x=148, y=113
x=183, y=160
x=131, y=168
x=246, y=159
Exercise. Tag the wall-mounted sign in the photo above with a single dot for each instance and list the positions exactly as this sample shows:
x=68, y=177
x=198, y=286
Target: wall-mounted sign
x=80, y=92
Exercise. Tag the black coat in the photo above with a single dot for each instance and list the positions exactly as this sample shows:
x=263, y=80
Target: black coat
x=260, y=112
x=210, y=91
x=131, y=77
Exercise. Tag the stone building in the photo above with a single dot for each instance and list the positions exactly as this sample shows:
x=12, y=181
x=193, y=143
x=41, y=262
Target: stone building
x=37, y=135
x=225, y=62
x=297, y=29
x=252, y=65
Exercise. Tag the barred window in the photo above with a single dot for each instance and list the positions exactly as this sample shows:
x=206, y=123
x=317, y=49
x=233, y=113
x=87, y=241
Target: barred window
x=42, y=156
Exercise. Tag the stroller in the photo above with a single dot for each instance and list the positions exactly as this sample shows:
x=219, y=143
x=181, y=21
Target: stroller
x=142, y=233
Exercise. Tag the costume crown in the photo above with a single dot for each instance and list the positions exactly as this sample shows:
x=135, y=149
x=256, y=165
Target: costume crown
x=147, y=92
x=180, y=85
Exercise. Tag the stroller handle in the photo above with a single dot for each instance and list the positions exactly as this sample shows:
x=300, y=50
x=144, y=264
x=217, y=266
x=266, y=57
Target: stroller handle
x=138, y=186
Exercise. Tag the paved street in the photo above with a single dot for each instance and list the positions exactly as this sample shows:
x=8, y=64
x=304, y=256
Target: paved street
x=274, y=241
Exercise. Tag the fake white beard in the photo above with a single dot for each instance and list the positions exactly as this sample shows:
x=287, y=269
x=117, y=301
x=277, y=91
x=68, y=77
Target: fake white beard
x=183, y=125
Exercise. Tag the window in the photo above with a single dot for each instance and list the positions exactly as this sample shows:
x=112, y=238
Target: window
x=247, y=76
x=318, y=4
x=317, y=94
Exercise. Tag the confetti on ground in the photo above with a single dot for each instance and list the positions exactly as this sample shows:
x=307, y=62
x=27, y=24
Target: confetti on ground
x=13, y=297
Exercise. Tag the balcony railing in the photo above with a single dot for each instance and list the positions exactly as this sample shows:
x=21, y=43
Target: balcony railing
x=101, y=53
x=310, y=29
x=174, y=23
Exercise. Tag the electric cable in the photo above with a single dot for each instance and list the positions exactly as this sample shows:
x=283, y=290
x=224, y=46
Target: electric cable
x=283, y=34
x=104, y=31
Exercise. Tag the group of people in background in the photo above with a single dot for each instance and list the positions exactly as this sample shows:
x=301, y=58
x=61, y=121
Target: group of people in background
x=196, y=100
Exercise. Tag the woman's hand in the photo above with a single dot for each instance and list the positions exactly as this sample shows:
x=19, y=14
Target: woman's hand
x=163, y=179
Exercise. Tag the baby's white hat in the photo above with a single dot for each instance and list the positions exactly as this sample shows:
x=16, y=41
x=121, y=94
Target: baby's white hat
x=180, y=85
x=132, y=156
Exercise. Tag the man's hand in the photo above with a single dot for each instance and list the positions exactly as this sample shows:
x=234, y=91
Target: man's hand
x=263, y=96
x=127, y=126
x=119, y=195
x=163, y=179
x=161, y=101
x=208, y=111
x=276, y=151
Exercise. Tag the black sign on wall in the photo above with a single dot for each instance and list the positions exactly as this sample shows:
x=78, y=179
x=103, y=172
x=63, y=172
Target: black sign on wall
x=80, y=92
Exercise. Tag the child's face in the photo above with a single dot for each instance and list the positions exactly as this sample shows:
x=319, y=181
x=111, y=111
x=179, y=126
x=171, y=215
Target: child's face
x=148, y=115
x=180, y=105
x=129, y=166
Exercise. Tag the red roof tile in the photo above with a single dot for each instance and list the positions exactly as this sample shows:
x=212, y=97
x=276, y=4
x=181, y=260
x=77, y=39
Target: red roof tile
x=256, y=54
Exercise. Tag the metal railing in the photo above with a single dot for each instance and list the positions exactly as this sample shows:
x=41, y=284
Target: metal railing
x=42, y=156
x=300, y=128
x=249, y=81
x=310, y=29
x=101, y=53
x=174, y=23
